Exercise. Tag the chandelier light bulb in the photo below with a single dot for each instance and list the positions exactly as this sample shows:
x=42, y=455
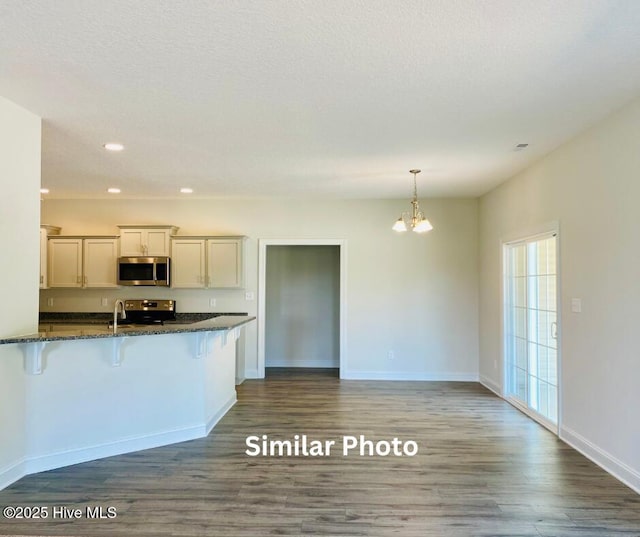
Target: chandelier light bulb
x=423, y=226
x=399, y=225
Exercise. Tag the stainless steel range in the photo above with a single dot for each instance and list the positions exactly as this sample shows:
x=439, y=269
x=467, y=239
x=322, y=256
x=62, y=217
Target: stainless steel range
x=145, y=311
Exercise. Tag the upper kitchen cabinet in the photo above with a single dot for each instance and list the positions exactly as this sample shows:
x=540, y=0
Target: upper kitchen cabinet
x=188, y=263
x=83, y=261
x=146, y=240
x=207, y=262
x=100, y=262
x=225, y=262
x=65, y=262
x=45, y=231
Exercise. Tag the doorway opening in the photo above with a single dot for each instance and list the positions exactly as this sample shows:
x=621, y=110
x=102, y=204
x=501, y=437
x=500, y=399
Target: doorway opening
x=301, y=308
x=531, y=327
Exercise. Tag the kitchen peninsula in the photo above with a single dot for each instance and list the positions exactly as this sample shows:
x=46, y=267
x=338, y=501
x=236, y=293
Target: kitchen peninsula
x=93, y=393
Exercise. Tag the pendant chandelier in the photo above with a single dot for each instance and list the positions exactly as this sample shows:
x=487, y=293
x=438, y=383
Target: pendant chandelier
x=414, y=219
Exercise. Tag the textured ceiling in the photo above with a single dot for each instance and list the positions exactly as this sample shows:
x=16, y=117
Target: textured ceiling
x=330, y=98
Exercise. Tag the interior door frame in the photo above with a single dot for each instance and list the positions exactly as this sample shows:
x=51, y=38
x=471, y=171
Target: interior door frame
x=546, y=229
x=262, y=276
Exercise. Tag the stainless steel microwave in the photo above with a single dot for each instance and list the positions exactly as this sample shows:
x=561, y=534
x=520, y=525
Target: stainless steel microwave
x=154, y=271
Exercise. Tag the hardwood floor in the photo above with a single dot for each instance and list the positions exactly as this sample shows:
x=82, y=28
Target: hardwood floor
x=483, y=469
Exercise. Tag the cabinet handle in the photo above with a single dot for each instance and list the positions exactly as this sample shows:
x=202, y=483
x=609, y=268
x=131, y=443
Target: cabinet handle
x=78, y=279
x=41, y=278
x=86, y=279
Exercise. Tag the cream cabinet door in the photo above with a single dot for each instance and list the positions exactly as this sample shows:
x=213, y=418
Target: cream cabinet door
x=145, y=242
x=188, y=263
x=131, y=242
x=65, y=263
x=225, y=263
x=158, y=242
x=100, y=263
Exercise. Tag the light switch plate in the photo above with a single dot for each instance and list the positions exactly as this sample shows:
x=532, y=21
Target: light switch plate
x=104, y=301
x=249, y=295
x=49, y=301
x=212, y=302
x=576, y=305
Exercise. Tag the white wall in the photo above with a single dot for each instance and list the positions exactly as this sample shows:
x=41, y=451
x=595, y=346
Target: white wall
x=19, y=218
x=592, y=187
x=415, y=295
x=13, y=437
x=302, y=325
x=19, y=268
x=159, y=394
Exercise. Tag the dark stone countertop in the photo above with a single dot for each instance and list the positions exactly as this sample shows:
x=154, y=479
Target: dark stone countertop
x=98, y=330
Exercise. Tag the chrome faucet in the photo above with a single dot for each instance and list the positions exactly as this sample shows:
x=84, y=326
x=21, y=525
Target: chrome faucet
x=118, y=305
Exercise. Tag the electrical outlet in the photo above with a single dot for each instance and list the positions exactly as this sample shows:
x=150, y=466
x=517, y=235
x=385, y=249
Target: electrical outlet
x=212, y=302
x=249, y=295
x=49, y=301
x=391, y=355
x=576, y=305
x=104, y=301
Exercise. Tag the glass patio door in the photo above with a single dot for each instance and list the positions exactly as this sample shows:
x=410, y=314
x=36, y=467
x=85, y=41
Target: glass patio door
x=531, y=327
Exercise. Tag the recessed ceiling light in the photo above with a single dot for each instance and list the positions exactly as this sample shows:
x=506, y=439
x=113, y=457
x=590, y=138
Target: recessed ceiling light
x=113, y=190
x=113, y=146
x=186, y=190
x=44, y=191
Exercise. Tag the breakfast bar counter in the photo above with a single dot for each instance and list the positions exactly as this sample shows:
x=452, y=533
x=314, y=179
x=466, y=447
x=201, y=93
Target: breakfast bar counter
x=87, y=329
x=89, y=393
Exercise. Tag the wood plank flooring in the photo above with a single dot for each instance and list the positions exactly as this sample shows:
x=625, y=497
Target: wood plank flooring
x=483, y=469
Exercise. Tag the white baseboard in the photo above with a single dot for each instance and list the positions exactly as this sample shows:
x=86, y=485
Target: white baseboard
x=60, y=459
x=490, y=385
x=217, y=416
x=606, y=461
x=409, y=375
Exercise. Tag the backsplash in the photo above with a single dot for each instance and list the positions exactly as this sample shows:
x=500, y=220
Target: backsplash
x=188, y=300
x=91, y=317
